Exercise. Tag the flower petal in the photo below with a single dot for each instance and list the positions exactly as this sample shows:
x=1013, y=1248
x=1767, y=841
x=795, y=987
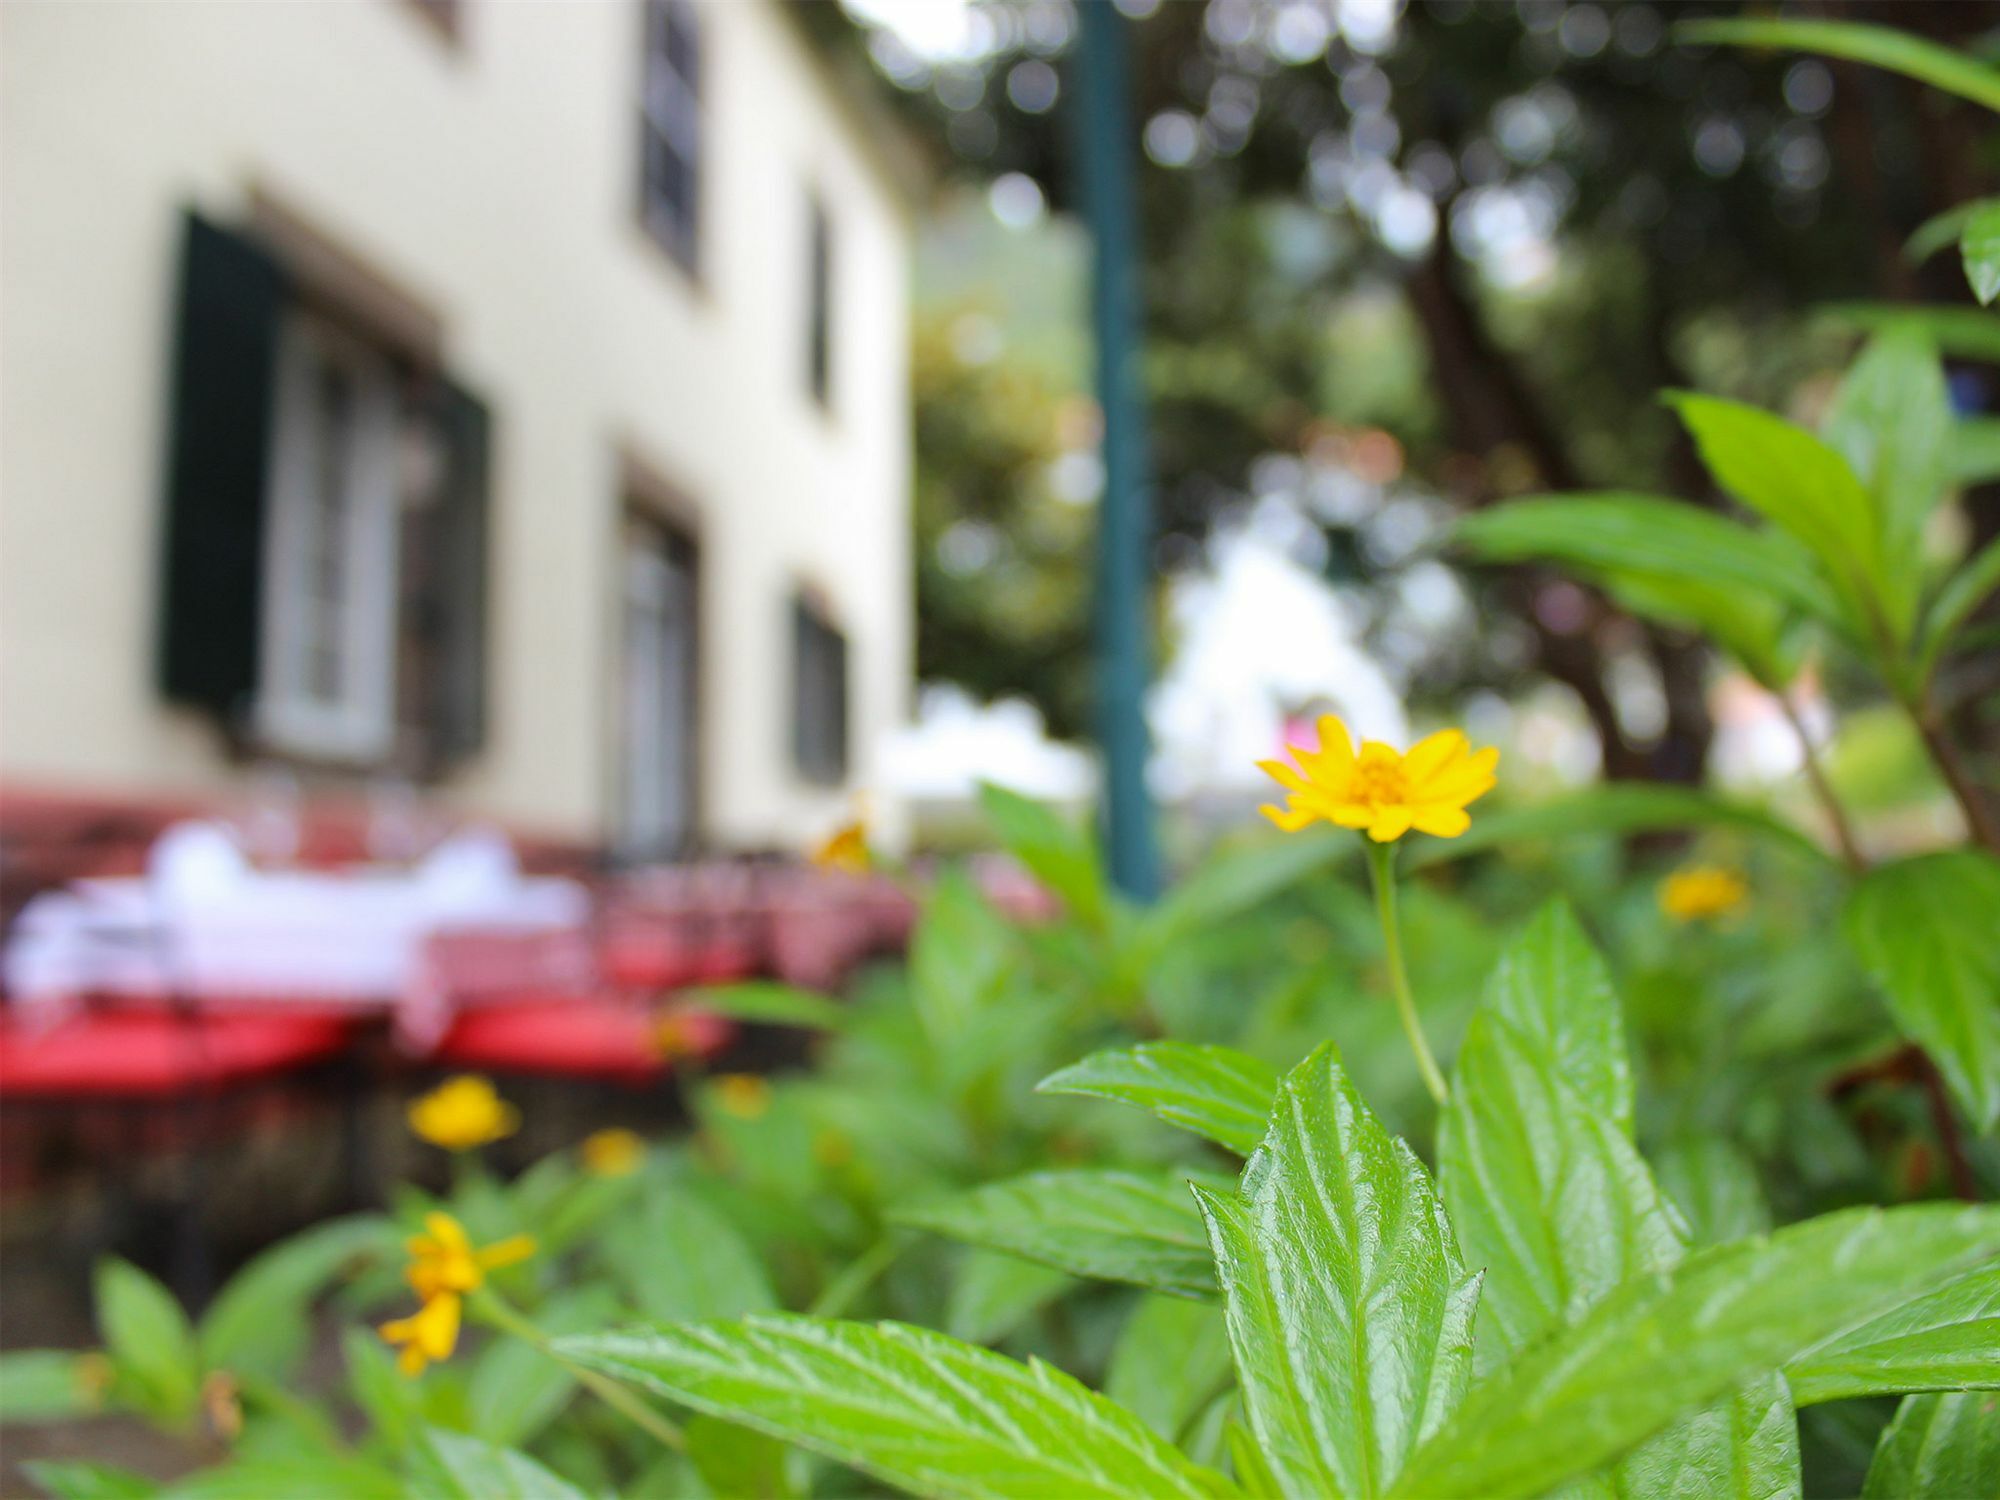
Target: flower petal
x=1429, y=756
x=1336, y=749
x=1351, y=814
x=1443, y=822
x=1289, y=819
x=1390, y=823
x=1286, y=776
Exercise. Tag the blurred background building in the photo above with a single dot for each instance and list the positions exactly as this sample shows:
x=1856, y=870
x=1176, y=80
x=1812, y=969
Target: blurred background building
x=477, y=409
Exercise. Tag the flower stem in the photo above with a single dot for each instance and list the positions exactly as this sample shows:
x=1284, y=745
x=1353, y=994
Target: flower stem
x=614, y=1395
x=1382, y=866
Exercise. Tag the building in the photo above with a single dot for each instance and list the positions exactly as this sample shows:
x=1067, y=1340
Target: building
x=508, y=400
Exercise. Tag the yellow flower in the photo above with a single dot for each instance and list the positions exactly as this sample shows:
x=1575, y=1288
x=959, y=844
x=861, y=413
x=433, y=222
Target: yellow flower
x=222, y=1403
x=1702, y=892
x=613, y=1153
x=429, y=1334
x=442, y=1259
x=1425, y=787
x=845, y=849
x=744, y=1095
x=462, y=1113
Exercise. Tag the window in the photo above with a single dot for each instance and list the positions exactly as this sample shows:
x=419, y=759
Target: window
x=326, y=679
x=819, y=695
x=657, y=694
x=670, y=129
x=819, y=305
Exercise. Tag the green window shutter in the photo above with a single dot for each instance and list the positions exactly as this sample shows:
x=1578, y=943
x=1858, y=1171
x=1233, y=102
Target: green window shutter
x=458, y=699
x=219, y=435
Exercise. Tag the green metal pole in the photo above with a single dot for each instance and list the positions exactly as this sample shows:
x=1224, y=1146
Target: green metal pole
x=1106, y=134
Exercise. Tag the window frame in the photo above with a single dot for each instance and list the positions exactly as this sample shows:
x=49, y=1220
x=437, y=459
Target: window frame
x=819, y=300
x=822, y=754
x=672, y=116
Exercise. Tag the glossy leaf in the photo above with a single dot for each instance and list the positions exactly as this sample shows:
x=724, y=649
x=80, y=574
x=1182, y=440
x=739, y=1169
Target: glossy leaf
x=1715, y=1187
x=1879, y=46
x=453, y=1466
x=993, y=1292
x=1941, y=230
x=1948, y=1340
x=1228, y=885
x=1745, y=1447
x=1938, y=1447
x=1171, y=1358
x=515, y=1389
x=1925, y=932
x=1110, y=1225
x=1552, y=986
x=149, y=1337
x=733, y=1460
x=259, y=1323
x=1980, y=247
x=1218, y=1093
x=1349, y=1309
x=960, y=956
x=907, y=1405
x=1660, y=1347
x=1057, y=854
x=680, y=1258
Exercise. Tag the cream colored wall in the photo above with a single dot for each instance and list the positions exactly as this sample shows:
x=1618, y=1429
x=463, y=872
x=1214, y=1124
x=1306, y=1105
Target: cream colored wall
x=495, y=179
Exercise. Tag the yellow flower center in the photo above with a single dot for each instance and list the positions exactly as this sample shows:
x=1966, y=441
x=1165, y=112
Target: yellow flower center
x=1378, y=782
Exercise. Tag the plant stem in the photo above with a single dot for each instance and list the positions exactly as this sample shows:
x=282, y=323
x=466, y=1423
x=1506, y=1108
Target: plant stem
x=1843, y=830
x=1382, y=866
x=613, y=1394
x=1979, y=816
x=855, y=1279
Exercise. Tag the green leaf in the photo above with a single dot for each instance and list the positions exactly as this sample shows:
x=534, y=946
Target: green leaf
x=389, y=1399
x=768, y=1003
x=1612, y=808
x=960, y=957
x=1228, y=885
x=1350, y=1312
x=908, y=1405
x=1795, y=481
x=87, y=1481
x=1662, y=1346
x=1975, y=450
x=1892, y=422
x=259, y=1323
x=1171, y=1359
x=1220, y=1094
x=1925, y=932
x=1940, y=230
x=1745, y=1448
x=1109, y=1225
x=265, y=1475
x=148, y=1337
x=738, y=1462
x=1963, y=592
x=1980, y=245
x=1647, y=536
x=1941, y=67
x=1944, y=1447
x=1715, y=1187
x=1956, y=332
x=1053, y=851
x=1946, y=1341
x=1553, y=987
x=452, y=1466
x=516, y=1389
x=44, y=1385
x=993, y=1292
x=679, y=1258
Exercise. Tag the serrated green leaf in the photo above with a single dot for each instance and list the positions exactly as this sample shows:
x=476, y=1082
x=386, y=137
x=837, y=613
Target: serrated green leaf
x=1925, y=933
x=88, y=1481
x=679, y=1258
x=1938, y=1447
x=1715, y=1187
x=1743, y=1448
x=1110, y=1225
x=453, y=1466
x=908, y=1405
x=388, y=1398
x=1349, y=1309
x=1980, y=246
x=1171, y=1359
x=1660, y=1347
x=259, y=1323
x=1941, y=67
x=1948, y=1340
x=44, y=1385
x=1552, y=986
x=149, y=1338
x=1218, y=1093
x=960, y=957
x=1228, y=885
x=1057, y=854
